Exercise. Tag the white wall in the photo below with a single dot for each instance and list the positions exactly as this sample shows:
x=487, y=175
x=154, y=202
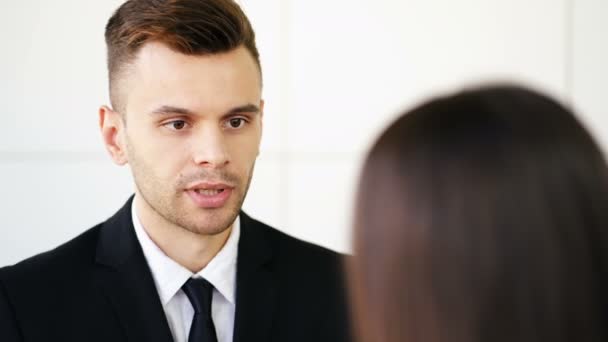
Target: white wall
x=336, y=72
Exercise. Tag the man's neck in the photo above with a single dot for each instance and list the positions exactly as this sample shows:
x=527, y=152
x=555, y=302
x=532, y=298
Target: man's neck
x=191, y=250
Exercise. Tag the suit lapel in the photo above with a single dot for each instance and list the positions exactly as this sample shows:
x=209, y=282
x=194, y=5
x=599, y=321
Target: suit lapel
x=255, y=291
x=125, y=279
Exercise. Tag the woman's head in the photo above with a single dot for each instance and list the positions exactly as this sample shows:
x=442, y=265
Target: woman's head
x=480, y=217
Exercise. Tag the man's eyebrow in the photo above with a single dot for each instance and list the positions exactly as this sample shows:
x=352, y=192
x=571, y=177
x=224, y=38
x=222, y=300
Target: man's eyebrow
x=248, y=108
x=167, y=110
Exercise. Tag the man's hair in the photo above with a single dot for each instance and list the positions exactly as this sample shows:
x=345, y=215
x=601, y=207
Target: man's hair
x=191, y=27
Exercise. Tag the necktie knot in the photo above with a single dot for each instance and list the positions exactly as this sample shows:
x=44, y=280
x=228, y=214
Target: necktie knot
x=200, y=294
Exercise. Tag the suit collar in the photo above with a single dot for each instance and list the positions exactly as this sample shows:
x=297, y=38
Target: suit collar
x=125, y=279
x=117, y=240
x=255, y=249
x=255, y=296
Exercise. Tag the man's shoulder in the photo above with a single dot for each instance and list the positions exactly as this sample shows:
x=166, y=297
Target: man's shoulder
x=294, y=250
x=71, y=258
x=67, y=258
x=310, y=284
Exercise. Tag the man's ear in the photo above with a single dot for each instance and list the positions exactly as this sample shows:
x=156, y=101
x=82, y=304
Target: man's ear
x=112, y=132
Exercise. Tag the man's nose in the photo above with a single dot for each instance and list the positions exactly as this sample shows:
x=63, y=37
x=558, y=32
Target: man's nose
x=209, y=148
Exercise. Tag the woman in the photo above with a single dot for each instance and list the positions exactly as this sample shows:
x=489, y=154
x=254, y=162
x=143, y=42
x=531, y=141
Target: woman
x=482, y=216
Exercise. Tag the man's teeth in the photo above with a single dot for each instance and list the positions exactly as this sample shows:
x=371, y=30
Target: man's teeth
x=208, y=192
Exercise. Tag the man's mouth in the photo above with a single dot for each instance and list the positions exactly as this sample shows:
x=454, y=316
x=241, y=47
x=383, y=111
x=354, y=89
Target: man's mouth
x=210, y=195
x=208, y=192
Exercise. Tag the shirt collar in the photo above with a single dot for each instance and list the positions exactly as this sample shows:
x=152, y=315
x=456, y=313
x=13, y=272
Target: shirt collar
x=169, y=276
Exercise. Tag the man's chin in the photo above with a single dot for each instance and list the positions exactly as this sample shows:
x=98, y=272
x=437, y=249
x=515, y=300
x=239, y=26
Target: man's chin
x=209, y=231
x=213, y=224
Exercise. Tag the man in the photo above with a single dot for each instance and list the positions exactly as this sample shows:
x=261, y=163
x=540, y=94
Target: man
x=179, y=261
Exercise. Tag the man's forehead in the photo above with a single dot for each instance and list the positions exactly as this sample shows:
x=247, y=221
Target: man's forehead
x=160, y=77
x=158, y=66
x=153, y=54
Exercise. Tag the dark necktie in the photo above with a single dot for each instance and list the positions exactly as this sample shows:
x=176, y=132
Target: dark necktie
x=200, y=291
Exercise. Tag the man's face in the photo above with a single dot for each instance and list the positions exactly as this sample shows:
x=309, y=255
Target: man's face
x=191, y=132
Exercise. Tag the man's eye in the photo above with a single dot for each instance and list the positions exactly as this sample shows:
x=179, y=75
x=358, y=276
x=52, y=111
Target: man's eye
x=236, y=122
x=176, y=125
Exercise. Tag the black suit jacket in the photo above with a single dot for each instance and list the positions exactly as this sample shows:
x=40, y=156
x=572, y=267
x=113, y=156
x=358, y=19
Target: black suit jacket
x=98, y=287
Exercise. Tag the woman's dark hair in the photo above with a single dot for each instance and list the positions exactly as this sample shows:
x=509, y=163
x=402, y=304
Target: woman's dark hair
x=481, y=216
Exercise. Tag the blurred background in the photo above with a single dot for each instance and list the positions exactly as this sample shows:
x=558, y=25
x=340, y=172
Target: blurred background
x=335, y=72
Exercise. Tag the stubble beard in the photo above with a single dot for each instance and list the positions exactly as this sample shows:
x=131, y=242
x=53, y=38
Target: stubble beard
x=169, y=202
x=215, y=221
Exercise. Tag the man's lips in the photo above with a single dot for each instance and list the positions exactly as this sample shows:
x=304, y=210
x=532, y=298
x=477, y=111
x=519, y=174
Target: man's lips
x=209, y=186
x=209, y=195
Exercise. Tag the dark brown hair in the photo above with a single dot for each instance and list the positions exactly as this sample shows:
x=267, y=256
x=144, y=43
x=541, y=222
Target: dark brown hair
x=192, y=27
x=482, y=216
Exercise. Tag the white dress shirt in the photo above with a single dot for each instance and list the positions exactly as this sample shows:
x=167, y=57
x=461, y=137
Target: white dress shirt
x=169, y=276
